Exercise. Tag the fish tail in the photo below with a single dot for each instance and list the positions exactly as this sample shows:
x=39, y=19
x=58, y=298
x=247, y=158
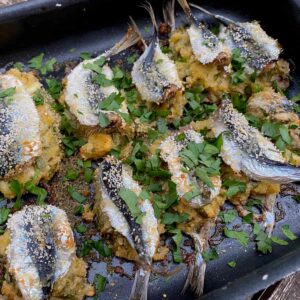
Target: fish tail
x=169, y=13
x=222, y=19
x=139, y=290
x=268, y=213
x=150, y=10
x=196, y=274
x=186, y=8
x=138, y=32
x=129, y=39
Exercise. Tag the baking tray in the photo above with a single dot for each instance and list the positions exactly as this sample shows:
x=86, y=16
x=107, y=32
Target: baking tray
x=64, y=31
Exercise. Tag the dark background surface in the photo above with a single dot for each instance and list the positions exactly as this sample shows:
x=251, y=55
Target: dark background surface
x=65, y=31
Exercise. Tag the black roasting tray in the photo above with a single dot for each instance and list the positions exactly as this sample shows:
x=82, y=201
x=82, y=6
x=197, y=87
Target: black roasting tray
x=65, y=28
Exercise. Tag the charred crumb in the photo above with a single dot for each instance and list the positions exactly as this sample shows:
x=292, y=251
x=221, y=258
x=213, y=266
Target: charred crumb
x=69, y=66
x=119, y=270
x=164, y=29
x=189, y=258
x=280, y=214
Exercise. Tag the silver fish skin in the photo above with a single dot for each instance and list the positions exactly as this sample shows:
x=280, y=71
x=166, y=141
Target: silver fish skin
x=206, y=46
x=112, y=175
x=41, y=249
x=246, y=149
x=154, y=73
x=254, y=44
x=83, y=96
x=169, y=150
x=20, y=141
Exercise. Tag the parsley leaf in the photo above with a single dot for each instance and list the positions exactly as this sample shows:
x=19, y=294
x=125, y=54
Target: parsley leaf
x=37, y=64
x=178, y=239
x=38, y=98
x=18, y=65
x=85, y=55
x=131, y=199
x=54, y=88
x=112, y=102
x=227, y=216
x=102, y=248
x=71, y=174
x=41, y=193
x=75, y=195
x=132, y=58
x=279, y=241
x=162, y=125
x=170, y=218
x=237, y=61
x=4, y=213
x=99, y=283
x=241, y=236
x=263, y=242
x=231, y=264
x=234, y=187
x=16, y=187
x=81, y=228
x=103, y=120
x=288, y=233
x=211, y=254
x=9, y=92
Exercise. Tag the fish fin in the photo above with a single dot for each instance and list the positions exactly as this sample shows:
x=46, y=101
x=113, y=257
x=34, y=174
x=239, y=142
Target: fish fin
x=169, y=13
x=187, y=10
x=136, y=29
x=268, y=213
x=196, y=274
x=129, y=39
x=150, y=10
x=139, y=289
x=222, y=19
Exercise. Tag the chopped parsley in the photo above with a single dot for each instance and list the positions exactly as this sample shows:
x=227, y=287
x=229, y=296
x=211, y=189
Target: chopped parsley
x=85, y=55
x=132, y=58
x=75, y=195
x=231, y=264
x=99, y=246
x=99, y=283
x=227, y=216
x=4, y=213
x=41, y=193
x=237, y=62
x=17, y=188
x=131, y=199
x=279, y=241
x=38, y=98
x=288, y=233
x=241, y=236
x=239, y=102
x=103, y=120
x=211, y=254
x=37, y=64
x=54, y=88
x=170, y=218
x=18, y=65
x=263, y=242
x=178, y=239
x=197, y=108
x=234, y=187
x=71, y=174
x=278, y=133
x=81, y=228
x=7, y=94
